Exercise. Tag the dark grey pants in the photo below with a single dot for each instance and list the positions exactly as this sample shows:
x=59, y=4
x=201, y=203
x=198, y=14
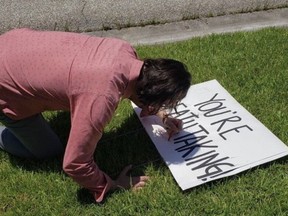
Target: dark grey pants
x=29, y=138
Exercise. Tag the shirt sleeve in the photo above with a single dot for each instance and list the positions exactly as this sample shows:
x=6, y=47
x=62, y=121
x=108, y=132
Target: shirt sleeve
x=89, y=115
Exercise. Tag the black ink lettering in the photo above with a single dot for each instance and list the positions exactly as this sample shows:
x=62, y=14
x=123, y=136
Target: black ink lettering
x=180, y=113
x=211, y=106
x=200, y=155
x=193, y=138
x=190, y=148
x=209, y=172
x=224, y=121
x=234, y=129
x=181, y=104
x=202, y=129
x=209, y=164
x=188, y=126
x=214, y=112
x=207, y=161
x=223, y=173
x=184, y=136
x=209, y=101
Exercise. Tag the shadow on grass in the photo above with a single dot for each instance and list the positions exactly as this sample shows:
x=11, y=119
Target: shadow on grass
x=121, y=146
x=127, y=144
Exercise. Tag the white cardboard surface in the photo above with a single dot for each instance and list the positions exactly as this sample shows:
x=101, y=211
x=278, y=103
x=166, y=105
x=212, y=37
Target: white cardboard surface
x=220, y=137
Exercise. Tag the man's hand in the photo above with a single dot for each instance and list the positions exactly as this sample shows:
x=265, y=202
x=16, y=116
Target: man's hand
x=126, y=182
x=172, y=126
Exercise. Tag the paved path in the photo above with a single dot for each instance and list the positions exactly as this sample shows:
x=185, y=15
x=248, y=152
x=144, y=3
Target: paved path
x=94, y=15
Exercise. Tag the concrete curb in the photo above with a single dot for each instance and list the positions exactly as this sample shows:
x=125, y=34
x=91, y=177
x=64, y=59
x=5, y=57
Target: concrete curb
x=177, y=31
x=93, y=15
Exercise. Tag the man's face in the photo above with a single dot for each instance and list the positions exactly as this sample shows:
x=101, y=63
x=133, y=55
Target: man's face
x=148, y=110
x=152, y=110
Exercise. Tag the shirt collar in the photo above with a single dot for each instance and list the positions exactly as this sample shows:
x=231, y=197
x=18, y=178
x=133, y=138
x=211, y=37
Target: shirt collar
x=134, y=74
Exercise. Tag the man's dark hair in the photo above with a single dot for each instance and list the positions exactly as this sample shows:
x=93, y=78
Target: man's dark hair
x=162, y=82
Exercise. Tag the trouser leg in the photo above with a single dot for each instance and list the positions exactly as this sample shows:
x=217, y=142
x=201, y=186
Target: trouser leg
x=29, y=138
x=9, y=143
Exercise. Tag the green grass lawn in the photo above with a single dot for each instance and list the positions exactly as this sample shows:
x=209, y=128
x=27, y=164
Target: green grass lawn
x=252, y=66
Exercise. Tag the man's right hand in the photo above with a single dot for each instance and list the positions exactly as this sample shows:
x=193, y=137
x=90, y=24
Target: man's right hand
x=126, y=182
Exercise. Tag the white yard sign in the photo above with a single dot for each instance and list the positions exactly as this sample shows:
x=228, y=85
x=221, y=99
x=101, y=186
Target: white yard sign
x=220, y=138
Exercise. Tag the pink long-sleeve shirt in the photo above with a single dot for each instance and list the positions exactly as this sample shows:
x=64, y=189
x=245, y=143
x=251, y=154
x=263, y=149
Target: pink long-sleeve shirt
x=86, y=75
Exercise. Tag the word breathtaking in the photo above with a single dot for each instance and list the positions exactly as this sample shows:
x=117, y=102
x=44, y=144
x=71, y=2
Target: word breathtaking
x=222, y=120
